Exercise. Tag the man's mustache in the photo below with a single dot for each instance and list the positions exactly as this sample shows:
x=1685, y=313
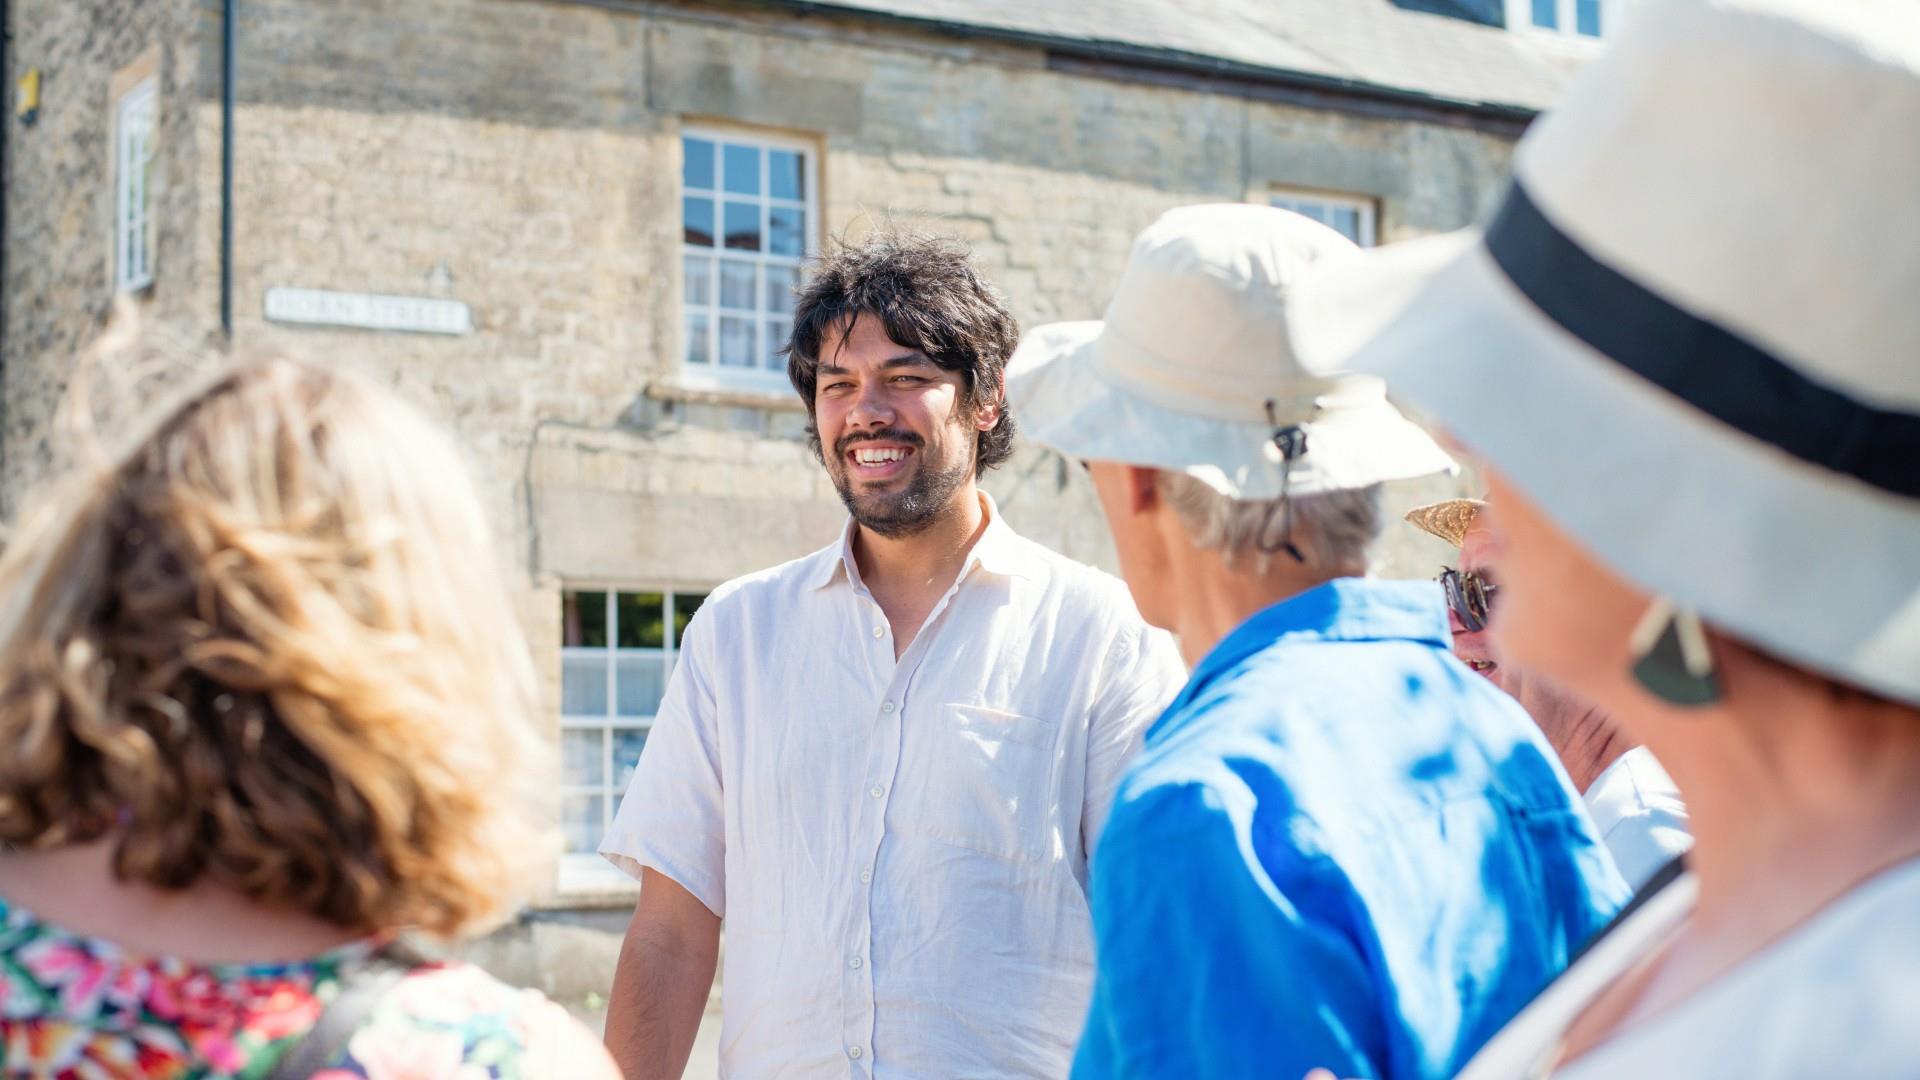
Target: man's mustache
x=892, y=435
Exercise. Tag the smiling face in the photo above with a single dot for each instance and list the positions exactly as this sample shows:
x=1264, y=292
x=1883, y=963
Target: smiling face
x=1479, y=550
x=895, y=431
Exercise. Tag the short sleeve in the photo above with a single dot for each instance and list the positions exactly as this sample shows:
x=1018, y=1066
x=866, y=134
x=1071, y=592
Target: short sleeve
x=1142, y=675
x=672, y=817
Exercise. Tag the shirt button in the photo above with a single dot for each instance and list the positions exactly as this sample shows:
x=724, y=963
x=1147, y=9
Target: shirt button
x=886, y=706
x=876, y=791
x=856, y=963
x=866, y=876
x=878, y=632
x=853, y=1052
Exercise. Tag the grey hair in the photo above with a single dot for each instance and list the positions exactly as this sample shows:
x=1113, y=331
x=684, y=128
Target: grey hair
x=1332, y=529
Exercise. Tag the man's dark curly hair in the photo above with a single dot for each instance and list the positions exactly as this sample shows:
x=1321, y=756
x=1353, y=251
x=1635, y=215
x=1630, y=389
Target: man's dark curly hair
x=927, y=294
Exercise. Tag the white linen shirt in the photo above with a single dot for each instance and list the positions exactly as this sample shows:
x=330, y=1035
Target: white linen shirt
x=1637, y=810
x=899, y=849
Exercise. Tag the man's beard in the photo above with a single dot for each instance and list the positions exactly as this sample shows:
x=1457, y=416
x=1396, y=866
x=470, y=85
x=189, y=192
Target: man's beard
x=911, y=510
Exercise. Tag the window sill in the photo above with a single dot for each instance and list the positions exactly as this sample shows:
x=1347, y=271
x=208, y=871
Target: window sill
x=588, y=881
x=1566, y=42
x=699, y=388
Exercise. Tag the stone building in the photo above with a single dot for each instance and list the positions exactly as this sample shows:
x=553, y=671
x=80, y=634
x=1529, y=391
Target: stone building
x=569, y=228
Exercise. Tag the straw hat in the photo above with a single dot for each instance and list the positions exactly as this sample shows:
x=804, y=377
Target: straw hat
x=1447, y=520
x=1690, y=333
x=1193, y=368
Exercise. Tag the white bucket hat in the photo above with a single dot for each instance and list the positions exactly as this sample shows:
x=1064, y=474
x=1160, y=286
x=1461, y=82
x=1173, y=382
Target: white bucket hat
x=1195, y=356
x=1691, y=333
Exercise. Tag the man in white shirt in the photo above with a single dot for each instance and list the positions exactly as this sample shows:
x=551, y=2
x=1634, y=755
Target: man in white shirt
x=1634, y=804
x=886, y=764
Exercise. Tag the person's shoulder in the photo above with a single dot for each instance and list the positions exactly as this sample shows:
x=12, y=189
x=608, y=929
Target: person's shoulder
x=1853, y=971
x=1078, y=586
x=1833, y=998
x=493, y=1022
x=775, y=584
x=1195, y=752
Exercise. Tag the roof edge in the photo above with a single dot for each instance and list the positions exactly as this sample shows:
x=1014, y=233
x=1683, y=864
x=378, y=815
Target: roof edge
x=1115, y=57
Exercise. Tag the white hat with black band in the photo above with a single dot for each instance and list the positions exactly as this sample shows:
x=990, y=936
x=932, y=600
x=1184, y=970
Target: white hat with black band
x=1691, y=332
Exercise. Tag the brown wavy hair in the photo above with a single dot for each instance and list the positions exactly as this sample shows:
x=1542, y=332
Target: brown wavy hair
x=267, y=647
x=930, y=297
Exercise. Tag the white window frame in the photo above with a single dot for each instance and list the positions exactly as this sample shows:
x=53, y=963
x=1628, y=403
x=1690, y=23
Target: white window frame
x=135, y=123
x=1306, y=201
x=711, y=375
x=587, y=872
x=1520, y=17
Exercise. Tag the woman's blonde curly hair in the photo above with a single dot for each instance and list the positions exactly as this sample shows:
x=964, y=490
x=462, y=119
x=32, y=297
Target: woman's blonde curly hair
x=267, y=648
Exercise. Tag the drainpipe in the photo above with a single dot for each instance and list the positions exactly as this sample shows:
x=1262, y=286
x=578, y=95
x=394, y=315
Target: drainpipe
x=227, y=32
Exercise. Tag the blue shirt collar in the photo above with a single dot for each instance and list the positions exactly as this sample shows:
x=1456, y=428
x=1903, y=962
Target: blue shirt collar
x=1344, y=609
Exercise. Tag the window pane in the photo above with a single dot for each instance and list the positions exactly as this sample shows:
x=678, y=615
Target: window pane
x=581, y=758
x=777, y=330
x=639, y=620
x=1546, y=13
x=627, y=745
x=786, y=230
x=697, y=273
x=582, y=820
x=742, y=169
x=782, y=283
x=699, y=338
x=1586, y=17
x=786, y=175
x=684, y=605
x=696, y=171
x=1346, y=221
x=743, y=226
x=583, y=685
x=736, y=284
x=736, y=342
x=643, y=679
x=697, y=218
x=583, y=619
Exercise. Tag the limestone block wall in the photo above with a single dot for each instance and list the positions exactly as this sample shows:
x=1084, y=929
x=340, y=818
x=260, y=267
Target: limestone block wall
x=60, y=202
x=522, y=157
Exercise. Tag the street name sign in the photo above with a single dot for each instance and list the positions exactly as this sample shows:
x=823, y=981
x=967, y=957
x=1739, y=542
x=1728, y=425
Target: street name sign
x=368, y=311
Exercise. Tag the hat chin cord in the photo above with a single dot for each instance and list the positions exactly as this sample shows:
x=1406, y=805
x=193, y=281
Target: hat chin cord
x=1291, y=441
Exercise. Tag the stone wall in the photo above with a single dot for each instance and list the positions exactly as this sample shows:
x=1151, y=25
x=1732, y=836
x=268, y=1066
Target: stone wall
x=60, y=251
x=522, y=156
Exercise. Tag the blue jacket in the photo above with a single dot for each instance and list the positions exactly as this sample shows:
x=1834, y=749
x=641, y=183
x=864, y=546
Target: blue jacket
x=1340, y=847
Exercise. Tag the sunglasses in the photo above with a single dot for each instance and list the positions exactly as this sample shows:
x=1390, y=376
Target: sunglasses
x=1470, y=596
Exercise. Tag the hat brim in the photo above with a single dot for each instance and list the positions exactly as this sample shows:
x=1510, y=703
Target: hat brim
x=1063, y=400
x=1802, y=562
x=1449, y=520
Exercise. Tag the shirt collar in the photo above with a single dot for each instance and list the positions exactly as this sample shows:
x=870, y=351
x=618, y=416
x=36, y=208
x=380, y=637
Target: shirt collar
x=1632, y=779
x=1344, y=609
x=999, y=551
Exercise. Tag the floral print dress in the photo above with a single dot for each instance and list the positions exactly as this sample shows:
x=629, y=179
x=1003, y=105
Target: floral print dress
x=76, y=1008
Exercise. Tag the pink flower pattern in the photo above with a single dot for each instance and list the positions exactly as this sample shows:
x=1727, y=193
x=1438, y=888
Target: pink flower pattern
x=75, y=1008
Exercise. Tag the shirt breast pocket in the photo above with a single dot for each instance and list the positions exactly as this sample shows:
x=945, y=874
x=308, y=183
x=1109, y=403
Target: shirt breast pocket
x=989, y=781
